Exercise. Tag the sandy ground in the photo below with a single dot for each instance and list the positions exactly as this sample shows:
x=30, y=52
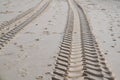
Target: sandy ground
x=27, y=56
x=11, y=8
x=104, y=19
x=31, y=54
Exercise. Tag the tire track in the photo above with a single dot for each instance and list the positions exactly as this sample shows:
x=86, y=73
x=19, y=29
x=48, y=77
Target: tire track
x=10, y=34
x=79, y=56
x=5, y=24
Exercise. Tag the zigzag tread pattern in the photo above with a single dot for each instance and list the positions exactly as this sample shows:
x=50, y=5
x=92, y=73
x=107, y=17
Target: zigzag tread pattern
x=79, y=57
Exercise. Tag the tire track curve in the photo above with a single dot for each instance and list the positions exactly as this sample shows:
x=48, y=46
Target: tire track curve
x=79, y=56
x=10, y=34
x=7, y=23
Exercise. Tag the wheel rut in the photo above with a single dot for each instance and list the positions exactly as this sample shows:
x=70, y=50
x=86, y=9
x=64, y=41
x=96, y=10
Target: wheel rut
x=8, y=35
x=79, y=57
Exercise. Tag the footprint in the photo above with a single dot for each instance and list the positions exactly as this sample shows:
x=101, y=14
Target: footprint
x=112, y=46
x=19, y=11
x=54, y=32
x=112, y=34
x=105, y=53
x=118, y=25
x=103, y=9
x=118, y=51
x=45, y=28
x=15, y=43
x=39, y=78
x=49, y=21
x=111, y=29
x=114, y=39
x=46, y=32
x=37, y=39
x=20, y=46
x=49, y=64
x=48, y=73
x=119, y=37
x=23, y=72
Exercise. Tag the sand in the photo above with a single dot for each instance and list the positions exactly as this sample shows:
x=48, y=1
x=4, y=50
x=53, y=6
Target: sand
x=32, y=53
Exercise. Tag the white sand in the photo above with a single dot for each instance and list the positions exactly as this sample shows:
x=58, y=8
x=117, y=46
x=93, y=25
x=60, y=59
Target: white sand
x=31, y=54
x=104, y=19
x=11, y=8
